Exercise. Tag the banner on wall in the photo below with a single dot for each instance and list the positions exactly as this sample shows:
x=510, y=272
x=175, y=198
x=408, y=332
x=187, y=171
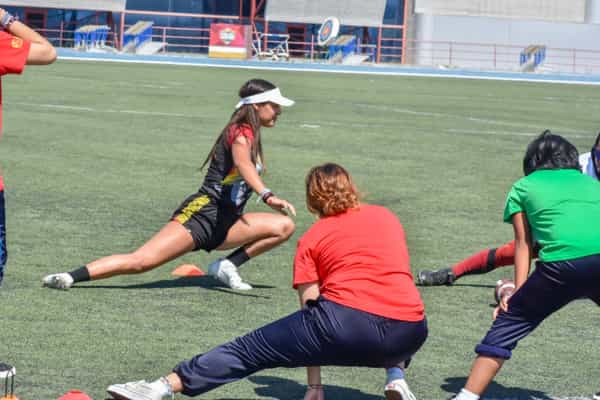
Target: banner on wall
x=230, y=41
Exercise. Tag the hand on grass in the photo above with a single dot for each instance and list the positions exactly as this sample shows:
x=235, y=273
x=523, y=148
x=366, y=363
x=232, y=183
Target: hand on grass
x=314, y=394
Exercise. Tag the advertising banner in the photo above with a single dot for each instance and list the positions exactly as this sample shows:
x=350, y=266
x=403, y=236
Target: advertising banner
x=230, y=41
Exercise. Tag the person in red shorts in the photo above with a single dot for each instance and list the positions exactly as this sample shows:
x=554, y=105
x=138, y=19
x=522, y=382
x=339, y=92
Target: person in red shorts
x=19, y=45
x=487, y=260
x=360, y=306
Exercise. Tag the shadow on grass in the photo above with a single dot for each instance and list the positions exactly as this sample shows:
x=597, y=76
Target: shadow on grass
x=272, y=387
x=204, y=282
x=474, y=285
x=495, y=391
x=281, y=388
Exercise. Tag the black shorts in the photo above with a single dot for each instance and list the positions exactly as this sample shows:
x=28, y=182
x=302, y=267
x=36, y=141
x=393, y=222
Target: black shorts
x=207, y=222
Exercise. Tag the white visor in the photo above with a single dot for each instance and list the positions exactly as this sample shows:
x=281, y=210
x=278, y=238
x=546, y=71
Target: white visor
x=273, y=96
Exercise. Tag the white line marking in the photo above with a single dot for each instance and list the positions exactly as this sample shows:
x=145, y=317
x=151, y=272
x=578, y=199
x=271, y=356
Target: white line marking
x=96, y=110
x=572, y=133
x=356, y=72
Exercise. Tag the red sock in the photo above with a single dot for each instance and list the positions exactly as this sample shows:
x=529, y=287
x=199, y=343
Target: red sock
x=486, y=260
x=505, y=255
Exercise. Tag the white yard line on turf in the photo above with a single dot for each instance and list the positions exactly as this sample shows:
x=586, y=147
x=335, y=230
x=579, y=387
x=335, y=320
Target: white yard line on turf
x=376, y=70
x=318, y=124
x=96, y=110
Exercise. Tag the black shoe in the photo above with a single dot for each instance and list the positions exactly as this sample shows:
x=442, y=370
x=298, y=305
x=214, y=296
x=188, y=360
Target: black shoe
x=440, y=277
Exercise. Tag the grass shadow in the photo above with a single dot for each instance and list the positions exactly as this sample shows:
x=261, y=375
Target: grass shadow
x=496, y=391
x=204, y=282
x=474, y=285
x=281, y=388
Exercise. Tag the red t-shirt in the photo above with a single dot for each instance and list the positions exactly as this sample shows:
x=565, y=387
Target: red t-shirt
x=360, y=260
x=13, y=55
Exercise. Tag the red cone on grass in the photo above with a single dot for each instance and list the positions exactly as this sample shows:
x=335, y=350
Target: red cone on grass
x=187, y=270
x=75, y=395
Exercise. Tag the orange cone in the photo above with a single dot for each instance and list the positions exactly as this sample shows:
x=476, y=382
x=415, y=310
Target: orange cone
x=75, y=395
x=187, y=270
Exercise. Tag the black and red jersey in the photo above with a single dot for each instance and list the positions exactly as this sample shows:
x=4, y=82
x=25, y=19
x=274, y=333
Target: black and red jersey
x=223, y=181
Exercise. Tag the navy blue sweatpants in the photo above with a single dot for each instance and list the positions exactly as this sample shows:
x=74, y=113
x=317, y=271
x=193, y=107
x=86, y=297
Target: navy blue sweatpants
x=2, y=236
x=550, y=287
x=323, y=333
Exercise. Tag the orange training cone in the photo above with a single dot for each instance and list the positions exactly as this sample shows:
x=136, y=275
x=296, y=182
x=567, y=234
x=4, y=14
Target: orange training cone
x=187, y=270
x=75, y=395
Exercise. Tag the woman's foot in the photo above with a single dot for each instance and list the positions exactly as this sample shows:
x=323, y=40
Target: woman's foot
x=62, y=281
x=226, y=272
x=398, y=390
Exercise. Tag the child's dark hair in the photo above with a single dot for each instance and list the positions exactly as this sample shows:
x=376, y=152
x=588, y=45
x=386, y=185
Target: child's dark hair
x=245, y=115
x=550, y=151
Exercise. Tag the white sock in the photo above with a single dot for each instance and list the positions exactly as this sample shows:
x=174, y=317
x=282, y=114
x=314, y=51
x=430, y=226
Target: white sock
x=162, y=386
x=464, y=394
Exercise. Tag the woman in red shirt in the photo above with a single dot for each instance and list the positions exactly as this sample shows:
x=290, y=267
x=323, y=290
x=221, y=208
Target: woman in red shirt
x=360, y=306
x=19, y=46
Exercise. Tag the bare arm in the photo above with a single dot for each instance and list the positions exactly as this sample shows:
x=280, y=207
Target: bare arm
x=310, y=291
x=240, y=149
x=41, y=51
x=523, y=252
x=523, y=248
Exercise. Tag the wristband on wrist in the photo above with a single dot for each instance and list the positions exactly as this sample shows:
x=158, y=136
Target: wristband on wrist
x=7, y=20
x=267, y=196
x=315, y=386
x=264, y=194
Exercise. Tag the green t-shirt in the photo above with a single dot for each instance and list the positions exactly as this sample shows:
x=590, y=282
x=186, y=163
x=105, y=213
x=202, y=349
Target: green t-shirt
x=563, y=210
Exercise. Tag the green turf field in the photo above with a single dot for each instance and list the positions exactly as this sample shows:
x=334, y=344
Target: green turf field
x=96, y=156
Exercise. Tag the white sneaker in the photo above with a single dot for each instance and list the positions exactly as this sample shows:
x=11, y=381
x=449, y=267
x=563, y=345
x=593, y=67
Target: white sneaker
x=61, y=281
x=596, y=396
x=7, y=371
x=398, y=390
x=227, y=273
x=140, y=390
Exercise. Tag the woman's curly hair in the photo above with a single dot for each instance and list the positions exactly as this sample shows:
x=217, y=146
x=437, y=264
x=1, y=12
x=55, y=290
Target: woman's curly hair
x=330, y=191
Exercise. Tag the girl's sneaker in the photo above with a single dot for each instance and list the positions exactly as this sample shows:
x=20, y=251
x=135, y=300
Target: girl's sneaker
x=398, y=390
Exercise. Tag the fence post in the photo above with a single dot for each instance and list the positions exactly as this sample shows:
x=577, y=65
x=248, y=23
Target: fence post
x=266, y=35
x=574, y=60
x=164, y=39
x=449, y=53
x=60, y=40
x=312, y=48
x=379, y=33
x=495, y=54
x=122, y=31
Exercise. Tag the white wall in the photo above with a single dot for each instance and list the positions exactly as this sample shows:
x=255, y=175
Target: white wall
x=548, y=10
x=592, y=12
x=503, y=31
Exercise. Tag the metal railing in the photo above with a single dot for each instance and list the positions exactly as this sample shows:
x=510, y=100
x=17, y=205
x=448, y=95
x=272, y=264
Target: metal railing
x=388, y=47
x=490, y=56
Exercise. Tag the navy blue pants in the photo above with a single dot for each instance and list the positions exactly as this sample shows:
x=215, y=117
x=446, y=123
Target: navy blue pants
x=2, y=236
x=550, y=287
x=323, y=333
